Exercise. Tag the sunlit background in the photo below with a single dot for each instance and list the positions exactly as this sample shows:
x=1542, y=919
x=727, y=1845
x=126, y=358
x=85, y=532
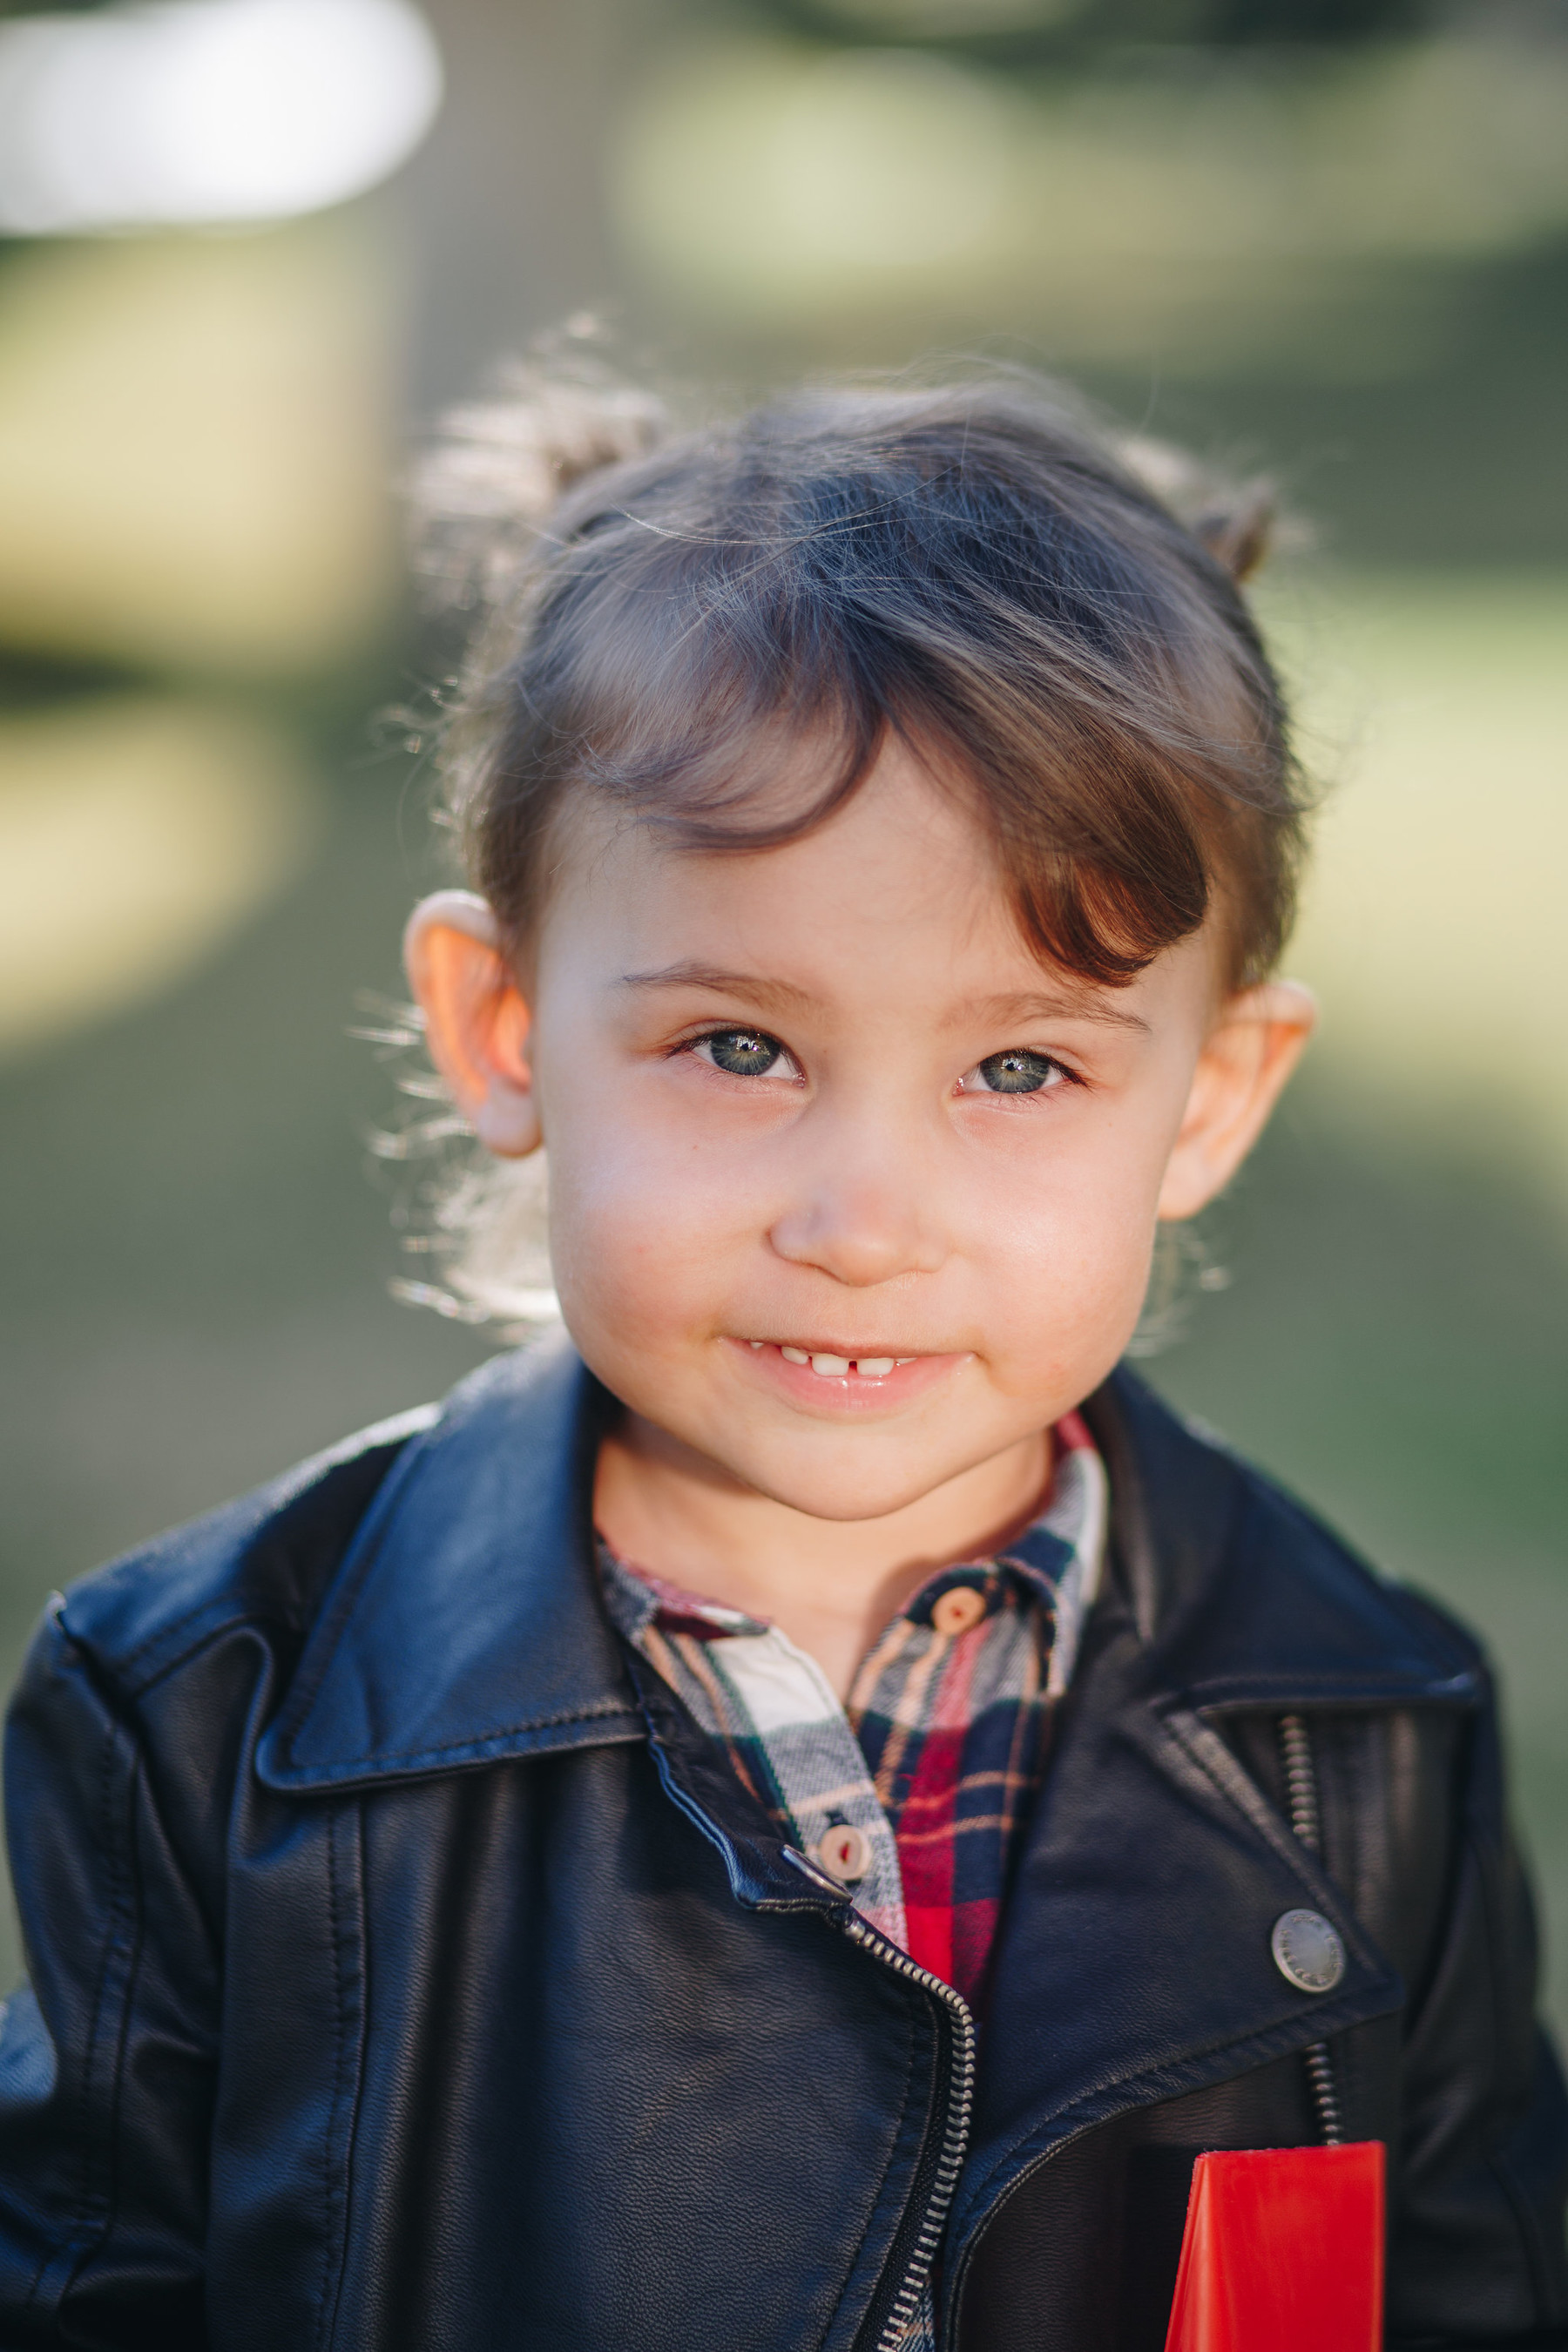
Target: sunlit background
x=248, y=247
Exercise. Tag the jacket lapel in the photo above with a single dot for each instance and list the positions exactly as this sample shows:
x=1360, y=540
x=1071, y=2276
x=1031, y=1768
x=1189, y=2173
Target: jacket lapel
x=1134, y=1963
x=465, y=1626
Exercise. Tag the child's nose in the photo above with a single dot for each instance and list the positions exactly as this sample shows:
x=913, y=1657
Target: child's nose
x=861, y=1226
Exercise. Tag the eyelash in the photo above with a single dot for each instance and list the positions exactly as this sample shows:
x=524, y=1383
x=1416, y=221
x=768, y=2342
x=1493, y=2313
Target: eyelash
x=1063, y=1074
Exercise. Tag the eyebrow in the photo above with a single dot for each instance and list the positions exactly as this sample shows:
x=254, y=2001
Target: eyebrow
x=1028, y=1004
x=1052, y=1004
x=781, y=993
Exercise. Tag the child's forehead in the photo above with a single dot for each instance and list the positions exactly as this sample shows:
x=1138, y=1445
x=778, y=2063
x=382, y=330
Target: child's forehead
x=907, y=849
x=899, y=896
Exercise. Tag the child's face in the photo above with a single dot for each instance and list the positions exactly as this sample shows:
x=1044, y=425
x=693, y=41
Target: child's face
x=849, y=1193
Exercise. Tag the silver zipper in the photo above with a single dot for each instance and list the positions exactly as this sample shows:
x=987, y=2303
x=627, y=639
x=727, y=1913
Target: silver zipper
x=1306, y=1823
x=956, y=2134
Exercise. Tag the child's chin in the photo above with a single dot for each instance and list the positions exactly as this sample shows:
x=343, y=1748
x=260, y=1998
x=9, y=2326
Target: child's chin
x=841, y=1486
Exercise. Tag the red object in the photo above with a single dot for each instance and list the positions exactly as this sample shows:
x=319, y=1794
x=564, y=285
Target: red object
x=1282, y=2252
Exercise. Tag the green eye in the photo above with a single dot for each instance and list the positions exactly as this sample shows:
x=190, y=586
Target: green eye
x=742, y=1053
x=1016, y=1072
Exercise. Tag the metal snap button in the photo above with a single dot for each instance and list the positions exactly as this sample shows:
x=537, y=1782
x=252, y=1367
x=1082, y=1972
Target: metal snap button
x=844, y=1853
x=1308, y=1951
x=957, y=1609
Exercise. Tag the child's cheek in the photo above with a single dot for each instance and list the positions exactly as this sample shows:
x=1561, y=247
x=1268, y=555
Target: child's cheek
x=1063, y=1291
x=639, y=1237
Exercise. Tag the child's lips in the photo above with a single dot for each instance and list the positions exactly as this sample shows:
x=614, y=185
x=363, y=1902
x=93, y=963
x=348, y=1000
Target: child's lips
x=836, y=1374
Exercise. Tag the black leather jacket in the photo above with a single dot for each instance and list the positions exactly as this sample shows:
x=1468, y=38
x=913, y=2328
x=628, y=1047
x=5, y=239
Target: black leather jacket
x=405, y=1979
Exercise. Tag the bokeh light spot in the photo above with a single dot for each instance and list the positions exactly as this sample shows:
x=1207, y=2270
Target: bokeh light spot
x=135, y=833
x=208, y=111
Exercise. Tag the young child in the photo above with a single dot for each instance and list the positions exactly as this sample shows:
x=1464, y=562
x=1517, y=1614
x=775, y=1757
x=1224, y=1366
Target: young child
x=788, y=1821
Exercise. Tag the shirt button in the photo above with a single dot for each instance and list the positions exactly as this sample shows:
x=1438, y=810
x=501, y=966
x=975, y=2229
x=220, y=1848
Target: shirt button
x=957, y=1609
x=844, y=1854
x=1307, y=1951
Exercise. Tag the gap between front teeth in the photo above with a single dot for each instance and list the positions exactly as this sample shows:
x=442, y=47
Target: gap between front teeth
x=871, y=1368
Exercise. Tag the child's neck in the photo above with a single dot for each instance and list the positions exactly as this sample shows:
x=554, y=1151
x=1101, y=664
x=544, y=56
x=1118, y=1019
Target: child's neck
x=830, y=1584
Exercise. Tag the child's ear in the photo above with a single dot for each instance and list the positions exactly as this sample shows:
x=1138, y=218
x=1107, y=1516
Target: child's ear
x=1255, y=1044
x=475, y=1022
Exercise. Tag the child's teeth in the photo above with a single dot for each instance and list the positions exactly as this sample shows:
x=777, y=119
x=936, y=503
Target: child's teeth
x=753, y=1344
x=870, y=1367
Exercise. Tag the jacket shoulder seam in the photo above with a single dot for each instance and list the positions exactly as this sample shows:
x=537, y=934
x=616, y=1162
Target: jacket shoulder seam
x=170, y=1643
x=202, y=1628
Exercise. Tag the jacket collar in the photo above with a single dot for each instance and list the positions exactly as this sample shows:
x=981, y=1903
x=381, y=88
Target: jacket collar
x=465, y=1624
x=1238, y=1596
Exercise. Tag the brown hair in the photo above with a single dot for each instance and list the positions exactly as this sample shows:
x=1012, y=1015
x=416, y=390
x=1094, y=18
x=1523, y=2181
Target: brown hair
x=1054, y=619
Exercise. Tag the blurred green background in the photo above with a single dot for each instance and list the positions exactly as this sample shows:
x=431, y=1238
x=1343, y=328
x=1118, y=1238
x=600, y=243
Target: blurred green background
x=1327, y=237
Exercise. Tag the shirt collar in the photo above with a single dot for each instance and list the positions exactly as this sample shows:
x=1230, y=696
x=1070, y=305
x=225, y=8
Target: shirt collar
x=1058, y=1561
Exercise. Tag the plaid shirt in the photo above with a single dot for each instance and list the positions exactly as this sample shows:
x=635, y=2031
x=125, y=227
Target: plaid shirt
x=913, y=1795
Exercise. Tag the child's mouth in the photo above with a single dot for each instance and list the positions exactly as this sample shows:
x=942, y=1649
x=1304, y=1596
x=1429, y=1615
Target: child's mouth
x=840, y=1374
